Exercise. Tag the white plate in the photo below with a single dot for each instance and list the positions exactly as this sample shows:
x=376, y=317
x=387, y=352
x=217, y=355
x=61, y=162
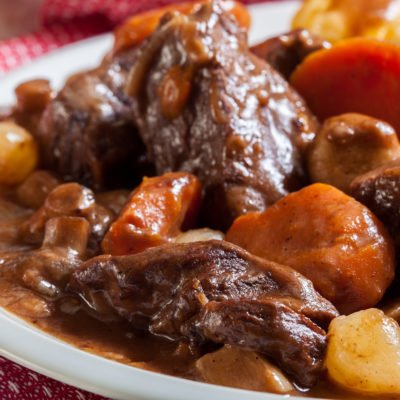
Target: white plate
x=43, y=353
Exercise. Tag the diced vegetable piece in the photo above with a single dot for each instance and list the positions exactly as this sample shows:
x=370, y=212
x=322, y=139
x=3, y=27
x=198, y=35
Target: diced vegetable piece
x=363, y=353
x=140, y=26
x=155, y=214
x=340, y=19
x=18, y=153
x=319, y=18
x=70, y=234
x=357, y=75
x=199, y=235
x=234, y=367
x=69, y=200
x=32, y=98
x=327, y=236
x=348, y=146
x=33, y=95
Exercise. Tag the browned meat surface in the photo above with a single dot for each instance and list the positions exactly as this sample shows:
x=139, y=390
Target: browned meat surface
x=287, y=51
x=379, y=190
x=86, y=133
x=206, y=105
x=214, y=292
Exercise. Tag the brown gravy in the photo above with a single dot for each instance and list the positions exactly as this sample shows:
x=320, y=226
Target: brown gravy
x=117, y=341
x=113, y=340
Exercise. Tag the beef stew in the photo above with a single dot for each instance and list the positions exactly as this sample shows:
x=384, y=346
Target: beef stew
x=165, y=215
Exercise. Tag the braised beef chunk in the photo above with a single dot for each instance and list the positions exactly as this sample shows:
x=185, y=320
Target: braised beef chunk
x=379, y=190
x=214, y=292
x=285, y=52
x=205, y=104
x=86, y=133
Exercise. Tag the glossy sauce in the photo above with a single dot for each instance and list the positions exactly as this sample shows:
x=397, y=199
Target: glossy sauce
x=117, y=341
x=114, y=340
x=66, y=318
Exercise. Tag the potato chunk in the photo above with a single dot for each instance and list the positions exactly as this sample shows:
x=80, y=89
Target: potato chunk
x=234, y=367
x=364, y=353
x=18, y=153
x=335, y=20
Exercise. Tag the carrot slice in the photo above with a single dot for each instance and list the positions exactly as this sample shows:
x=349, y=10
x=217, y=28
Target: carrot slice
x=358, y=75
x=327, y=236
x=139, y=27
x=155, y=214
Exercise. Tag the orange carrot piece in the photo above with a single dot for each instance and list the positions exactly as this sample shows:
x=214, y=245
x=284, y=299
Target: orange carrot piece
x=358, y=75
x=327, y=236
x=155, y=214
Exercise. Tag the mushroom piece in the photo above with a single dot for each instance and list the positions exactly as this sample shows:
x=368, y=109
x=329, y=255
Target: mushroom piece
x=242, y=369
x=350, y=145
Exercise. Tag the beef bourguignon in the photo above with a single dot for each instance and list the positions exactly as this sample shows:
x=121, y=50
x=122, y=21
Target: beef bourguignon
x=181, y=209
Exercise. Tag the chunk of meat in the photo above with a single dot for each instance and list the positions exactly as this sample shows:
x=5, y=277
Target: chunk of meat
x=69, y=200
x=379, y=190
x=86, y=133
x=242, y=369
x=348, y=146
x=205, y=104
x=47, y=269
x=327, y=236
x=155, y=214
x=137, y=28
x=285, y=52
x=214, y=292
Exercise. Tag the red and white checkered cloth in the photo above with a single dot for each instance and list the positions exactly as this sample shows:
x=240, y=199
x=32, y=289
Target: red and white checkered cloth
x=66, y=21
x=61, y=22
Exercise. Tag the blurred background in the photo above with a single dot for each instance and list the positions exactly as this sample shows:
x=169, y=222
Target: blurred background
x=18, y=17
x=30, y=28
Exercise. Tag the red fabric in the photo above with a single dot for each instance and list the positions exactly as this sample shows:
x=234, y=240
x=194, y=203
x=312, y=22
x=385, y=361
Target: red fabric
x=66, y=21
x=62, y=22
